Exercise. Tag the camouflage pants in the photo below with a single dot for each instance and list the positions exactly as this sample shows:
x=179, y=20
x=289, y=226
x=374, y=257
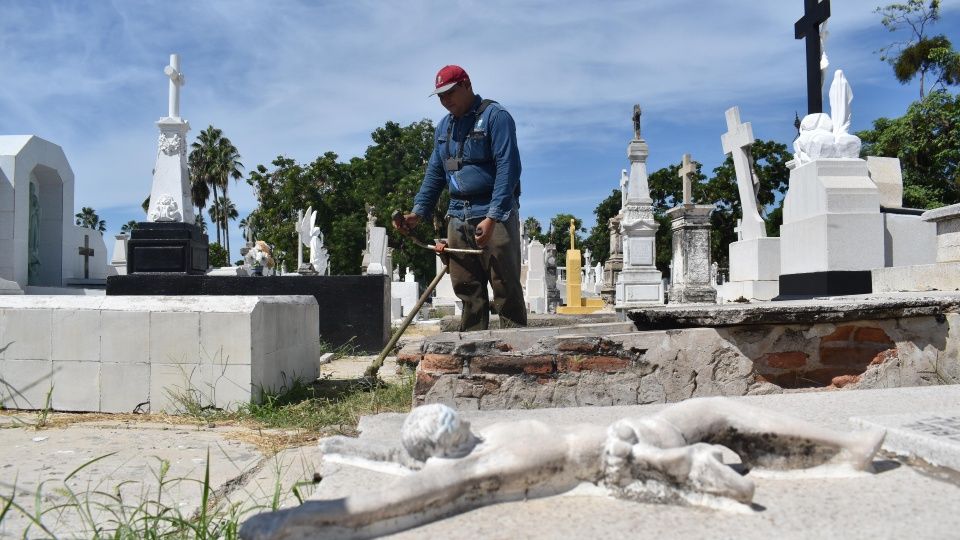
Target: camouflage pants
x=499, y=265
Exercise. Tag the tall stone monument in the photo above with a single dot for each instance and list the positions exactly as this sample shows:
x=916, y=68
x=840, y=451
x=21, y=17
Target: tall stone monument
x=690, y=269
x=639, y=283
x=832, y=234
x=550, y=271
x=170, y=240
x=754, y=258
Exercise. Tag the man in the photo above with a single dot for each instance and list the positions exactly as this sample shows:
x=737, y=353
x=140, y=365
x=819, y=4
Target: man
x=668, y=456
x=475, y=155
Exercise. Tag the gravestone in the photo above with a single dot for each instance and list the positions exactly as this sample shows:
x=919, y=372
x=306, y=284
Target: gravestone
x=37, y=233
x=576, y=304
x=942, y=275
x=754, y=258
x=832, y=234
x=376, y=253
x=550, y=271
x=639, y=283
x=408, y=291
x=690, y=270
x=536, y=287
x=170, y=240
x=614, y=264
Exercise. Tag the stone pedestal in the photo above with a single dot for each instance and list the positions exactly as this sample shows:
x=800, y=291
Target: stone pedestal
x=170, y=193
x=832, y=234
x=639, y=283
x=119, y=259
x=690, y=276
x=167, y=247
x=754, y=269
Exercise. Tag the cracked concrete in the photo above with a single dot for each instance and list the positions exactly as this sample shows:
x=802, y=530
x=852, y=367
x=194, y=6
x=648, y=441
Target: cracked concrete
x=107, y=462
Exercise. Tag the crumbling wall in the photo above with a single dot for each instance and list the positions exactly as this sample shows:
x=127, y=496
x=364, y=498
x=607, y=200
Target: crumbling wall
x=506, y=371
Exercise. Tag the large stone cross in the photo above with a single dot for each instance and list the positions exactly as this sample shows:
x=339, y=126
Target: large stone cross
x=736, y=142
x=176, y=81
x=815, y=13
x=86, y=253
x=686, y=171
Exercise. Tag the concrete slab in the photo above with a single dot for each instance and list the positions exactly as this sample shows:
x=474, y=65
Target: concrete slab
x=900, y=500
x=933, y=438
x=39, y=461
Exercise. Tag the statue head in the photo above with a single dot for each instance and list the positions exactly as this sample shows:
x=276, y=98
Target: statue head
x=436, y=430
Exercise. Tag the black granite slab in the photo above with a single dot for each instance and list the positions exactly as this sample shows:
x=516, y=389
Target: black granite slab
x=354, y=309
x=180, y=248
x=833, y=283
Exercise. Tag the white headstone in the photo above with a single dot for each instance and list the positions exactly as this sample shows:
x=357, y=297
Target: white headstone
x=536, y=285
x=639, y=283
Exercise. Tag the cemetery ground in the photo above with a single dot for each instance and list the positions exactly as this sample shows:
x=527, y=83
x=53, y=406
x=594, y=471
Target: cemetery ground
x=196, y=473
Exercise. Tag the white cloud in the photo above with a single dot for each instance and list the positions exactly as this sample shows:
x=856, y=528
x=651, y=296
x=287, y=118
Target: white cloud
x=302, y=78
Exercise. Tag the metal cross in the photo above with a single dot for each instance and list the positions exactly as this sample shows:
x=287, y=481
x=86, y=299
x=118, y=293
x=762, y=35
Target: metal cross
x=815, y=12
x=86, y=253
x=685, y=174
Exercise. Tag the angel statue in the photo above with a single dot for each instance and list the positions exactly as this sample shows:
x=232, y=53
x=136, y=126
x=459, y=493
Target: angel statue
x=306, y=231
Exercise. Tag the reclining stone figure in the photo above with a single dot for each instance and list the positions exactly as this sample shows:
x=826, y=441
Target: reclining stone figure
x=665, y=457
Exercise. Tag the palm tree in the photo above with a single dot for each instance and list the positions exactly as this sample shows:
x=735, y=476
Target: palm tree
x=221, y=212
x=200, y=222
x=128, y=226
x=87, y=217
x=213, y=161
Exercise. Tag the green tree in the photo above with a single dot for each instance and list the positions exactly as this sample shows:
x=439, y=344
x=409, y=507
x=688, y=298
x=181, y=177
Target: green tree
x=128, y=226
x=87, y=217
x=213, y=161
x=599, y=239
x=919, y=54
x=200, y=222
x=533, y=229
x=221, y=212
x=559, y=234
x=927, y=141
x=217, y=256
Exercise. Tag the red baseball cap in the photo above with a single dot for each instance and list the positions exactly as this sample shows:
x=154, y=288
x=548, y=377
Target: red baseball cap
x=447, y=77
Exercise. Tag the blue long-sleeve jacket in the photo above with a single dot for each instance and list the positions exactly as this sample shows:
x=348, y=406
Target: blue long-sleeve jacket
x=488, y=183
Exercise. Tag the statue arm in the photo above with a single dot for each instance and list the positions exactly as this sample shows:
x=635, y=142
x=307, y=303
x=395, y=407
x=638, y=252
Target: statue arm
x=368, y=450
x=764, y=438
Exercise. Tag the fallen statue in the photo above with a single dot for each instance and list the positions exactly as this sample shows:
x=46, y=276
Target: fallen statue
x=668, y=457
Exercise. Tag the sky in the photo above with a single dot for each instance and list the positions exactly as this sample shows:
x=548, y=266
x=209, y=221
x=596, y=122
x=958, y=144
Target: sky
x=302, y=78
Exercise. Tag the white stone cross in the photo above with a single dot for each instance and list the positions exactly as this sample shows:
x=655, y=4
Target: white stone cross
x=739, y=229
x=176, y=81
x=736, y=142
x=685, y=174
